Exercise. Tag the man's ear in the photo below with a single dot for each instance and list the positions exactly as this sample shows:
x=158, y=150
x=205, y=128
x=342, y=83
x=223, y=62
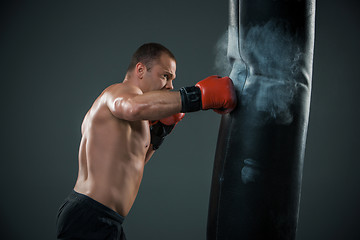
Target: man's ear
x=140, y=69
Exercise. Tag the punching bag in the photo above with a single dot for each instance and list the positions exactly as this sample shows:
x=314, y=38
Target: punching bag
x=256, y=182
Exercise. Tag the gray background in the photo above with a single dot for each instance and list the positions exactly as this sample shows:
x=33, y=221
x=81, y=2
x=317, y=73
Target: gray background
x=56, y=58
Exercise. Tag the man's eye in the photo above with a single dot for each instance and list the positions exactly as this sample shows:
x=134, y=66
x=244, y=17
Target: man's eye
x=166, y=76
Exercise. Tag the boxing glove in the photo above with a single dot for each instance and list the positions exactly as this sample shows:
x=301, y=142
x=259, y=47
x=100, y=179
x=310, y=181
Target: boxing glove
x=213, y=92
x=161, y=128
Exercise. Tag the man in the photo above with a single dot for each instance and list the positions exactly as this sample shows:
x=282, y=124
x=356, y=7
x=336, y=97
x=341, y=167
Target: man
x=120, y=133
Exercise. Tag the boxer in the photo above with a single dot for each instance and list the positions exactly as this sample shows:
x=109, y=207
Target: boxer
x=120, y=133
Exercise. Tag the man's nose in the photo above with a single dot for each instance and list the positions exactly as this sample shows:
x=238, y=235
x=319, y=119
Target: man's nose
x=169, y=85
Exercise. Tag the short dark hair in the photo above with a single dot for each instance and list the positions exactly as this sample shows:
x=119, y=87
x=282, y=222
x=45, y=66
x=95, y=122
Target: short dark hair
x=147, y=53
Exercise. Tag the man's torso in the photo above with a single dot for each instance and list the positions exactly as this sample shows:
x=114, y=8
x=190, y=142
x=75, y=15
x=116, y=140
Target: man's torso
x=111, y=156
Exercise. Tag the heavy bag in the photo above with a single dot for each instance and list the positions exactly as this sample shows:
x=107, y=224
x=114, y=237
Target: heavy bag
x=256, y=182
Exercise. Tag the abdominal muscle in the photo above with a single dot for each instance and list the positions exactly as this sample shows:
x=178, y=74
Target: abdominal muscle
x=111, y=158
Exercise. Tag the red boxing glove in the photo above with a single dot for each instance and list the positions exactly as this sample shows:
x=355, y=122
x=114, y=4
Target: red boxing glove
x=173, y=120
x=217, y=93
x=161, y=128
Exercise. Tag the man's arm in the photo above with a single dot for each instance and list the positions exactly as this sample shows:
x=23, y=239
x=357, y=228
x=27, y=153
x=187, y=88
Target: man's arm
x=149, y=153
x=129, y=103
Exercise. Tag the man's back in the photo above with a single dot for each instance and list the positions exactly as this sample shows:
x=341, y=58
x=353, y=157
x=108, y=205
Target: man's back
x=112, y=154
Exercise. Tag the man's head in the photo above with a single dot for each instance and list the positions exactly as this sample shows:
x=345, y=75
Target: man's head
x=148, y=54
x=153, y=66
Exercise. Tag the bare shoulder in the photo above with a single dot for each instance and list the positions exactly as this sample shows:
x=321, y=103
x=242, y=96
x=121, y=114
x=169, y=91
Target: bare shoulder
x=118, y=99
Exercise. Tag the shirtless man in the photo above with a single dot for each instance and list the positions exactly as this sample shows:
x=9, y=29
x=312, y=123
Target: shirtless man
x=121, y=132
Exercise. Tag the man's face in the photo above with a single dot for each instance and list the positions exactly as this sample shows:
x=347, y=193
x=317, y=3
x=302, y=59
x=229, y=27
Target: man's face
x=161, y=74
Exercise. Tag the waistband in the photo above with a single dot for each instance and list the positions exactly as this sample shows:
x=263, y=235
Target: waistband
x=88, y=200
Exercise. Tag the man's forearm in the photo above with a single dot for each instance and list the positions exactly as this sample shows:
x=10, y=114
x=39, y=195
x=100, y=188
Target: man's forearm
x=149, y=153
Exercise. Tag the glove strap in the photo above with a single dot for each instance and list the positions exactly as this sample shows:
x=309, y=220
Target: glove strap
x=190, y=99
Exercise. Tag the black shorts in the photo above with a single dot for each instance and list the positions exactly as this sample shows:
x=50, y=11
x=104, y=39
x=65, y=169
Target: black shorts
x=81, y=217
